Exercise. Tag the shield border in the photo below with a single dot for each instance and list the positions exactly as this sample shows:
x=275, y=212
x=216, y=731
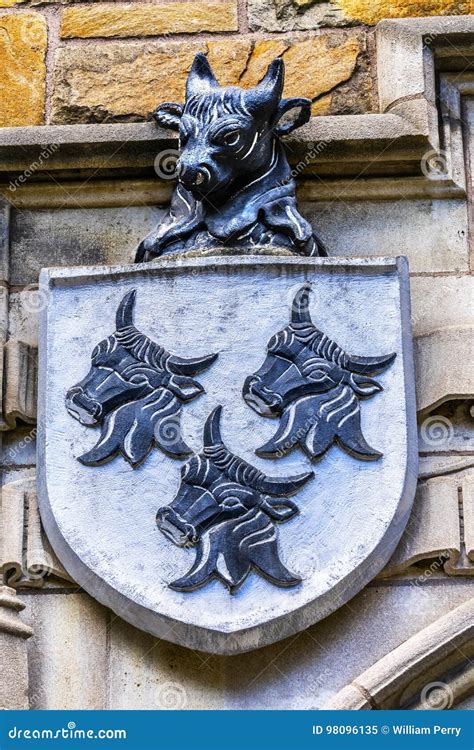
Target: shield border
x=256, y=636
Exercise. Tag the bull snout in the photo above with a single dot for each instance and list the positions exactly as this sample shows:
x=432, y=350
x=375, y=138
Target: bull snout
x=194, y=177
x=175, y=528
x=82, y=407
x=260, y=398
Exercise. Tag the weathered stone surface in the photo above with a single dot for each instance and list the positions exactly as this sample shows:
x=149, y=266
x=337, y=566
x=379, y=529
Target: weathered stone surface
x=436, y=381
x=401, y=678
x=144, y=671
x=393, y=227
x=434, y=533
x=107, y=19
x=293, y=15
x=373, y=11
x=71, y=237
x=13, y=650
x=442, y=301
x=23, y=40
x=127, y=81
x=68, y=654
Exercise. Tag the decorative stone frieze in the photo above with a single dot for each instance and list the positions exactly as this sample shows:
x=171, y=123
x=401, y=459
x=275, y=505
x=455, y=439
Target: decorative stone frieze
x=26, y=557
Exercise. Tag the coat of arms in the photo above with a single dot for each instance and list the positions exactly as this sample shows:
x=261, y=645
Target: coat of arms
x=227, y=448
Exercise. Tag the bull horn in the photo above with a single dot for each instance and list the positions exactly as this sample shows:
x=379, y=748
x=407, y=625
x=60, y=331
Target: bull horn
x=300, y=306
x=124, y=316
x=268, y=92
x=191, y=365
x=284, y=486
x=212, y=429
x=201, y=79
x=369, y=365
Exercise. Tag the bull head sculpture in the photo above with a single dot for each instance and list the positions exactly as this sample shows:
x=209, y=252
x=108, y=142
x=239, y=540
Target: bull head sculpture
x=135, y=389
x=228, y=510
x=235, y=186
x=315, y=387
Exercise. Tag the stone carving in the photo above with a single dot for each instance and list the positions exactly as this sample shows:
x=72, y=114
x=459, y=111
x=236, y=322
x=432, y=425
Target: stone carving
x=135, y=389
x=228, y=509
x=235, y=186
x=315, y=387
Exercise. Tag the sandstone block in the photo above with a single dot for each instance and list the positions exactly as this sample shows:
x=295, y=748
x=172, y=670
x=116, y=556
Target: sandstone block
x=120, y=20
x=373, y=11
x=127, y=81
x=23, y=40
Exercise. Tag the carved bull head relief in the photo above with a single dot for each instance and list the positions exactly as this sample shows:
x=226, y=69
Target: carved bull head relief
x=315, y=387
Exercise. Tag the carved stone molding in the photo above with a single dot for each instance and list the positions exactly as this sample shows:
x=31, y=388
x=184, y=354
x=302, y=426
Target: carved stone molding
x=26, y=557
x=13, y=636
x=397, y=137
x=439, y=656
x=18, y=360
x=440, y=532
x=442, y=367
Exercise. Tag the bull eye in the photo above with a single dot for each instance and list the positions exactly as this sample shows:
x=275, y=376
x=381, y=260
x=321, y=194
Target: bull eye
x=230, y=138
x=231, y=503
x=139, y=379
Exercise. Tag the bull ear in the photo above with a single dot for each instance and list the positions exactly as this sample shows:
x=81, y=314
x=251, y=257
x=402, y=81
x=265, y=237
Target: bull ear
x=201, y=79
x=168, y=115
x=291, y=114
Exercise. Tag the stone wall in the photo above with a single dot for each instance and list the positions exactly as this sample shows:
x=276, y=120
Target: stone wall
x=68, y=62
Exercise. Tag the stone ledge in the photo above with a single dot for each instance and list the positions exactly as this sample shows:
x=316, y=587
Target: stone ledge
x=395, y=681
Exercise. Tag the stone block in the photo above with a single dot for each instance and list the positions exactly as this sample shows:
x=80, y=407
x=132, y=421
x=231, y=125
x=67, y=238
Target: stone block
x=441, y=301
x=23, y=40
x=443, y=366
x=373, y=11
x=145, y=672
x=294, y=15
x=68, y=654
x=431, y=233
x=127, y=81
x=120, y=20
x=13, y=651
x=71, y=237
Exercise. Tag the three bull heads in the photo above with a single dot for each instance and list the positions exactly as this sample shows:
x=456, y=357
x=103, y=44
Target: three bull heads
x=225, y=507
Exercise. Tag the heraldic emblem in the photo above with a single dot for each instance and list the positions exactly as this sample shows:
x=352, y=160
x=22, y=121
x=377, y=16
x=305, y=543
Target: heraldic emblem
x=227, y=443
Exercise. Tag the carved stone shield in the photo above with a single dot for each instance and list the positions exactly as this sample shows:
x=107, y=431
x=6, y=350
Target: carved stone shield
x=227, y=448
